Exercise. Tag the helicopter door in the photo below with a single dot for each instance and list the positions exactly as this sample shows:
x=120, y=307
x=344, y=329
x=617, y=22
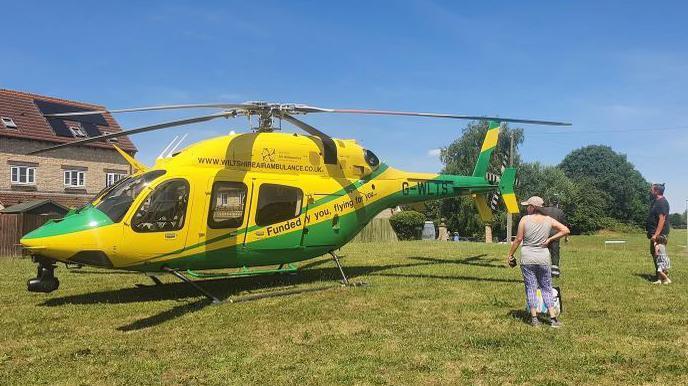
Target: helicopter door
x=319, y=232
x=160, y=224
x=278, y=217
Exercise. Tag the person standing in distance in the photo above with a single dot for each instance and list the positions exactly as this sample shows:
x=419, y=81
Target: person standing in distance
x=556, y=213
x=657, y=224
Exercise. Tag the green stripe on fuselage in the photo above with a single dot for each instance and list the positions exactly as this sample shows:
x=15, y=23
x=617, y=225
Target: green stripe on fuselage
x=87, y=218
x=320, y=235
x=329, y=197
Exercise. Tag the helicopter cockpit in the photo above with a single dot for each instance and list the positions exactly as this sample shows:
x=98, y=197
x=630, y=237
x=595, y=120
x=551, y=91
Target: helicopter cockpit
x=115, y=203
x=164, y=209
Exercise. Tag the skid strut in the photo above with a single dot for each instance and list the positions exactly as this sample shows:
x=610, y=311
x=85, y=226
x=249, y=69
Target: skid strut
x=196, y=286
x=345, y=280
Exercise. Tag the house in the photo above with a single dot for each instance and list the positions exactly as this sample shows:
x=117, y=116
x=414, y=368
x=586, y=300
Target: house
x=69, y=176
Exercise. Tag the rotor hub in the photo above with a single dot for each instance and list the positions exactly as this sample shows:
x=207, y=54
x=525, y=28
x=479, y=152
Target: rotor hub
x=267, y=112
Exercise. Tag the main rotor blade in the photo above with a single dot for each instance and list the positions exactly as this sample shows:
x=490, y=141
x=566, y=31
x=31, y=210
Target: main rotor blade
x=329, y=147
x=313, y=109
x=155, y=108
x=143, y=129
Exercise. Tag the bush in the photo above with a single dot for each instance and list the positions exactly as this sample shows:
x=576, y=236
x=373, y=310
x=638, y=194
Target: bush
x=407, y=224
x=612, y=224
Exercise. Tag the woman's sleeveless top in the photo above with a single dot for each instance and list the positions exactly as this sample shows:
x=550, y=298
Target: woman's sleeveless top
x=535, y=234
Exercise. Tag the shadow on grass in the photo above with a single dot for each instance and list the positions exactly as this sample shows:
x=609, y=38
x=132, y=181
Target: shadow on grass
x=647, y=276
x=476, y=260
x=164, y=316
x=521, y=314
x=258, y=287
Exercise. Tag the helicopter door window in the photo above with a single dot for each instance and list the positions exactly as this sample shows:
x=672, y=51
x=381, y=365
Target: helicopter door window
x=164, y=209
x=277, y=203
x=227, y=205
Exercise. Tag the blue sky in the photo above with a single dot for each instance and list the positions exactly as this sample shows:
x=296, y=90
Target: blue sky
x=617, y=70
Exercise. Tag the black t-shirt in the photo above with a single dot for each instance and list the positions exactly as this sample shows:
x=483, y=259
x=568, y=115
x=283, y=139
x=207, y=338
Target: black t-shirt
x=660, y=206
x=555, y=213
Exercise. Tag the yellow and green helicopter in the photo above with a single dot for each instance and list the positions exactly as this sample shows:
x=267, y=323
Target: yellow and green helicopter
x=261, y=198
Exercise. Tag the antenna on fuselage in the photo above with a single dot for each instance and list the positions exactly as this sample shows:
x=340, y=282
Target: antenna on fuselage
x=162, y=153
x=169, y=153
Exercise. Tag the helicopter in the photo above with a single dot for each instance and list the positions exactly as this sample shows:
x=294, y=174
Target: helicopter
x=255, y=199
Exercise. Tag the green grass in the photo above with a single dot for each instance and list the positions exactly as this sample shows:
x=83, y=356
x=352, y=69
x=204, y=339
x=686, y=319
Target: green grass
x=433, y=313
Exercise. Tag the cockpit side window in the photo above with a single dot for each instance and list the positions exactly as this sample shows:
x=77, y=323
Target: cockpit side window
x=115, y=203
x=164, y=209
x=227, y=204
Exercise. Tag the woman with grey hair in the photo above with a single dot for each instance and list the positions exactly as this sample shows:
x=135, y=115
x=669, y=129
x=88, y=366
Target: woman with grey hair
x=536, y=264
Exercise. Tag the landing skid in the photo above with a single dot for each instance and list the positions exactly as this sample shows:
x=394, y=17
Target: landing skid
x=244, y=272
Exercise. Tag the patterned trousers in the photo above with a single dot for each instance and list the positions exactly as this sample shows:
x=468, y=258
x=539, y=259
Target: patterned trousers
x=535, y=275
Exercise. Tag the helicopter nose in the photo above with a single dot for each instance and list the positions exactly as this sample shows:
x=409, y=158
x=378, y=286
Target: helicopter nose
x=44, y=246
x=61, y=239
x=30, y=244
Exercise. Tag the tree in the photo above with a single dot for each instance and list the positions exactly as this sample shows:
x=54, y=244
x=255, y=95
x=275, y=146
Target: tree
x=626, y=191
x=460, y=158
x=548, y=182
x=587, y=211
x=676, y=220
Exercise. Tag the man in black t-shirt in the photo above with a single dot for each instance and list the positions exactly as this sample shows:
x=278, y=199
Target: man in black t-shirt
x=657, y=223
x=557, y=214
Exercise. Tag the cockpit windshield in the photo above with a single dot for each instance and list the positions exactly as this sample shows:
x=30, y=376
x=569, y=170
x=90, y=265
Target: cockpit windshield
x=116, y=202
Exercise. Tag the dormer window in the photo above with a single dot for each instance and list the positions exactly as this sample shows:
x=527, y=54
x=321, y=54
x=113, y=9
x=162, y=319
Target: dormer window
x=114, y=139
x=77, y=132
x=8, y=122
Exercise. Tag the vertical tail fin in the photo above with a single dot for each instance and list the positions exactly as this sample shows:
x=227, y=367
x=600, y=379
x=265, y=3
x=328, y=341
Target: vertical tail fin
x=489, y=145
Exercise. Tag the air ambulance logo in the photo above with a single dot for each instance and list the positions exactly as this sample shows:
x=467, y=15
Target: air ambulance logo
x=268, y=155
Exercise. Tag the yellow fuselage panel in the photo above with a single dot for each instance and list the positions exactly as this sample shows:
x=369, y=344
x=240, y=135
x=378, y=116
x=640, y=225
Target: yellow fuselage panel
x=275, y=153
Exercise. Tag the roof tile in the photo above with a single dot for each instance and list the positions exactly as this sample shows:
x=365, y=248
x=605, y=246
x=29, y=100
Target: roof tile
x=32, y=124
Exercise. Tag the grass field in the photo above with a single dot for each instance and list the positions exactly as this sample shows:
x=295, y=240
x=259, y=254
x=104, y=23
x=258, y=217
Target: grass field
x=433, y=313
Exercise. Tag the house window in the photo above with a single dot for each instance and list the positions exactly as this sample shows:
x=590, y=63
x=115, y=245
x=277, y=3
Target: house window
x=74, y=178
x=23, y=175
x=8, y=122
x=111, y=178
x=77, y=131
